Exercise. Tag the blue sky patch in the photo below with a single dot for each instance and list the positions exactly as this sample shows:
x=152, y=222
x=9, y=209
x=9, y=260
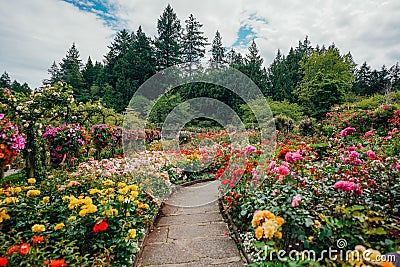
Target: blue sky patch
x=98, y=7
x=246, y=32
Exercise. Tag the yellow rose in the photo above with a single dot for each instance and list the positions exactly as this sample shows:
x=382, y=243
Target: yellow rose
x=10, y=200
x=32, y=193
x=72, y=218
x=259, y=232
x=38, y=228
x=31, y=180
x=46, y=200
x=132, y=233
x=59, y=226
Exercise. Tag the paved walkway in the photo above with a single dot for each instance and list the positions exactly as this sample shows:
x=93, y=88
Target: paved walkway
x=191, y=232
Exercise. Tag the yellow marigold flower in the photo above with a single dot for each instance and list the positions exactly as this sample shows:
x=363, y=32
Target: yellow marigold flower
x=120, y=184
x=280, y=220
x=32, y=193
x=10, y=200
x=259, y=232
x=38, y=228
x=132, y=233
x=72, y=218
x=59, y=226
x=87, y=200
x=278, y=235
x=46, y=200
x=94, y=191
x=108, y=182
x=31, y=180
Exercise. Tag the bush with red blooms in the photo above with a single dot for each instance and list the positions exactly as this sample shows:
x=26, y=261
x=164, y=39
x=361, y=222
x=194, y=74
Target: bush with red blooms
x=101, y=225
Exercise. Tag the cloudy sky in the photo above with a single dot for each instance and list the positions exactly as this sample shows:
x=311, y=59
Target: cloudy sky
x=35, y=33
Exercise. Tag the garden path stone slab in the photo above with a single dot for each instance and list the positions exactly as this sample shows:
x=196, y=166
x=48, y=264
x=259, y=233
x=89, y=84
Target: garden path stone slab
x=188, y=235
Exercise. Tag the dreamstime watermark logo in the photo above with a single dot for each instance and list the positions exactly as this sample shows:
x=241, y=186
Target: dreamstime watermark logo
x=159, y=86
x=338, y=253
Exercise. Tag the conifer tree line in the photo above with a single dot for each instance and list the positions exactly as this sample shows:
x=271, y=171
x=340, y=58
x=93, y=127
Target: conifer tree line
x=313, y=77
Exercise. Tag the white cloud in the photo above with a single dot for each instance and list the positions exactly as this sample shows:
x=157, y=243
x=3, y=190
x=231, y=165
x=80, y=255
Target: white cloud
x=35, y=33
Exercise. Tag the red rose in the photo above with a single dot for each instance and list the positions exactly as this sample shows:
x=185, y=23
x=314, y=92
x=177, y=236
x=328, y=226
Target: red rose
x=46, y=262
x=58, y=263
x=100, y=226
x=13, y=249
x=3, y=261
x=37, y=239
x=24, y=249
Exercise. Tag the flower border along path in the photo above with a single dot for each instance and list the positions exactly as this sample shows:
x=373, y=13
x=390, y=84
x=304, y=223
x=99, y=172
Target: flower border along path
x=190, y=236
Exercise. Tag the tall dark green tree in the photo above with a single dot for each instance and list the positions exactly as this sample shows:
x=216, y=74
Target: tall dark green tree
x=167, y=43
x=394, y=77
x=217, y=51
x=253, y=67
x=5, y=82
x=362, y=80
x=55, y=74
x=70, y=72
x=193, y=41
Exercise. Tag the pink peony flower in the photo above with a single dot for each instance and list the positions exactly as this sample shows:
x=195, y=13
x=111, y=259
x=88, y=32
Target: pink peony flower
x=296, y=200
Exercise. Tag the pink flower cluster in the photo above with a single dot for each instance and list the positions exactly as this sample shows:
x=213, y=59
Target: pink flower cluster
x=352, y=157
x=292, y=157
x=10, y=135
x=348, y=186
x=347, y=131
x=296, y=200
x=249, y=149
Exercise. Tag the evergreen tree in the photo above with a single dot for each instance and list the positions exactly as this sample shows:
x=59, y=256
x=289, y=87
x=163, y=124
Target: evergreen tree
x=70, y=71
x=193, y=41
x=55, y=74
x=362, y=80
x=253, y=67
x=168, y=52
x=394, y=76
x=217, y=51
x=5, y=80
x=234, y=59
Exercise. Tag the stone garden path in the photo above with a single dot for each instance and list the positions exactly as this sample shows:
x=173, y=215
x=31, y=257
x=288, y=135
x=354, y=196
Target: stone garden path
x=191, y=232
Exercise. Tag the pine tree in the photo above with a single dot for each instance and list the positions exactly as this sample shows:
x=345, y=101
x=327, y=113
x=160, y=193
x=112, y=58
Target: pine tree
x=362, y=80
x=55, y=74
x=5, y=80
x=253, y=67
x=168, y=52
x=217, y=51
x=193, y=42
x=70, y=72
